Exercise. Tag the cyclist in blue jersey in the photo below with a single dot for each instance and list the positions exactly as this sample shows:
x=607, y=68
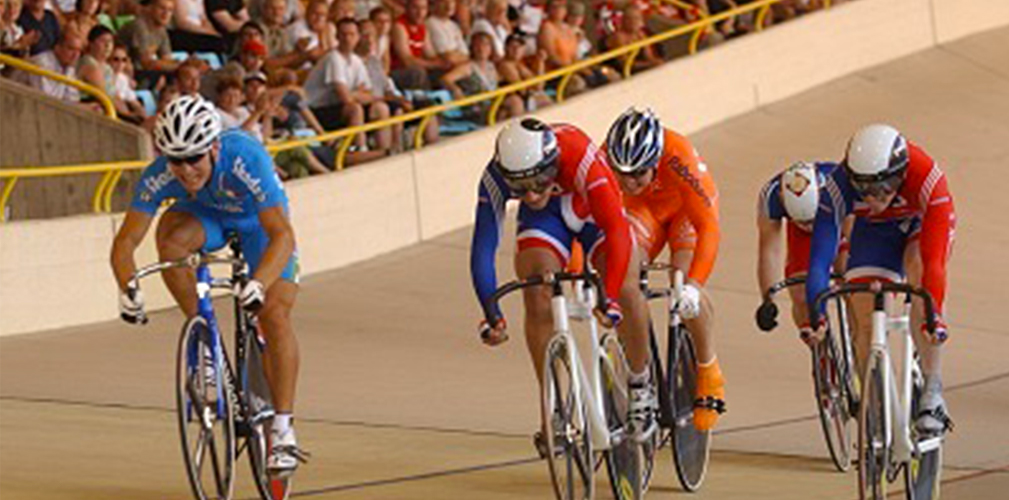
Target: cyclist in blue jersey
x=222, y=184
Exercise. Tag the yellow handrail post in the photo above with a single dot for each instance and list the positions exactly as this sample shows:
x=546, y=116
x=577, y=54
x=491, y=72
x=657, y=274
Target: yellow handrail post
x=563, y=85
x=110, y=109
x=762, y=16
x=695, y=39
x=6, y=195
x=96, y=199
x=341, y=152
x=110, y=190
x=495, y=106
x=826, y=4
x=629, y=63
x=418, y=136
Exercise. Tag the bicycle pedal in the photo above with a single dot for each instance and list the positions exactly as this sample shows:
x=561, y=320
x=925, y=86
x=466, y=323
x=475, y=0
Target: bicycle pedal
x=710, y=403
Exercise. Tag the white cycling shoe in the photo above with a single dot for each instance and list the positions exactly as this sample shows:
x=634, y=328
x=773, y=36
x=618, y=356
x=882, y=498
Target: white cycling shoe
x=285, y=456
x=932, y=418
x=641, y=412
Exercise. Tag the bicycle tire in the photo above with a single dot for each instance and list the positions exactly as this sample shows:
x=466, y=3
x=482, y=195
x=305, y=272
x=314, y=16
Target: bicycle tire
x=206, y=428
x=691, y=448
x=566, y=429
x=923, y=474
x=625, y=460
x=830, y=392
x=873, y=449
x=255, y=394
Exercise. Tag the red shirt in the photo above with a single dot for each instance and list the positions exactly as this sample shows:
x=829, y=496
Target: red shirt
x=416, y=35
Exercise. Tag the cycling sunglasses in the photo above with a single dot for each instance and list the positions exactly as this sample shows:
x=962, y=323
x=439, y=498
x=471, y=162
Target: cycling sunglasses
x=535, y=185
x=878, y=188
x=188, y=160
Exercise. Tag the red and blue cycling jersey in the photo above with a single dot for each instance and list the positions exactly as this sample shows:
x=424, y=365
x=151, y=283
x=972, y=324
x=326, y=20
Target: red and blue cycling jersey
x=584, y=174
x=922, y=207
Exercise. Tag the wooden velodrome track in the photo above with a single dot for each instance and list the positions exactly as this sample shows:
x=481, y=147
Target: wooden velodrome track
x=399, y=400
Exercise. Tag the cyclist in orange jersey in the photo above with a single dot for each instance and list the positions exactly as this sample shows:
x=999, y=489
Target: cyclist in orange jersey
x=671, y=200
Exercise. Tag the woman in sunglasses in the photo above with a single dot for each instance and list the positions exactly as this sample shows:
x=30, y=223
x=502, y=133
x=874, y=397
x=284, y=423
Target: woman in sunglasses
x=904, y=224
x=672, y=201
x=223, y=183
x=566, y=192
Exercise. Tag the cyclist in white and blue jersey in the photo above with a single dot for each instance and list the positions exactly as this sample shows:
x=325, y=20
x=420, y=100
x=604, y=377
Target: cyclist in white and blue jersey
x=222, y=184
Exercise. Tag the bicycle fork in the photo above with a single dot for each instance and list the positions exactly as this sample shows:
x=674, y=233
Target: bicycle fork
x=896, y=427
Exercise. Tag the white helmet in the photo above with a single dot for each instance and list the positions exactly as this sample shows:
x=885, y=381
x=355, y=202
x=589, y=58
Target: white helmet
x=877, y=156
x=187, y=127
x=526, y=149
x=800, y=190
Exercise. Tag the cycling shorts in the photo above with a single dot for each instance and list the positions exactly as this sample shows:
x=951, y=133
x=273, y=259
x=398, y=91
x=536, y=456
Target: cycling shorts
x=877, y=248
x=555, y=228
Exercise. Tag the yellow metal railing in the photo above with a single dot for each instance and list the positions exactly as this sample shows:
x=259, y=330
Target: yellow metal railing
x=103, y=98
x=102, y=199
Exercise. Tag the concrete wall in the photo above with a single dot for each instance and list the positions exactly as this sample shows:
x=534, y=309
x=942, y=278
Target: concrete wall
x=38, y=130
x=55, y=273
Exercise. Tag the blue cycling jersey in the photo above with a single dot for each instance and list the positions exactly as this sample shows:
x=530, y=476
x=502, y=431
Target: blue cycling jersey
x=494, y=193
x=243, y=181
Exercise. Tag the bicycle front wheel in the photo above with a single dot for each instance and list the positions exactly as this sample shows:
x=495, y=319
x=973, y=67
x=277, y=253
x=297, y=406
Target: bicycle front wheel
x=873, y=449
x=627, y=465
x=566, y=432
x=690, y=447
x=832, y=398
x=922, y=474
x=204, y=404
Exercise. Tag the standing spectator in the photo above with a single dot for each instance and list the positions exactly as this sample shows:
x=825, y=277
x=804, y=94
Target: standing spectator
x=632, y=29
x=147, y=38
x=413, y=57
x=227, y=17
x=513, y=69
x=84, y=18
x=124, y=86
x=193, y=31
x=61, y=59
x=480, y=75
x=445, y=34
x=36, y=18
x=13, y=38
x=293, y=10
x=495, y=23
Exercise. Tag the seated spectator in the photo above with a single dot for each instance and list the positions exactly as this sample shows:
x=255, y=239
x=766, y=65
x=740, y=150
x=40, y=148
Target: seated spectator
x=445, y=34
x=13, y=38
x=314, y=36
x=576, y=18
x=339, y=90
x=192, y=30
x=83, y=18
x=495, y=23
x=293, y=11
x=513, y=69
x=227, y=17
x=480, y=75
x=187, y=78
x=291, y=114
x=93, y=68
x=342, y=9
x=529, y=17
x=40, y=24
x=230, y=97
x=463, y=14
x=560, y=42
x=61, y=59
x=165, y=96
x=124, y=86
x=632, y=29
x=148, y=41
x=413, y=56
x=381, y=19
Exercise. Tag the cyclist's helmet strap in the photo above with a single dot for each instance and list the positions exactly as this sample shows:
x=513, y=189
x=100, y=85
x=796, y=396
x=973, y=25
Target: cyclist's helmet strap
x=635, y=141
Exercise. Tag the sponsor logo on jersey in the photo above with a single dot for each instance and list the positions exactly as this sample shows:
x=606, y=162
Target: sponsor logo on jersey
x=156, y=183
x=250, y=182
x=688, y=177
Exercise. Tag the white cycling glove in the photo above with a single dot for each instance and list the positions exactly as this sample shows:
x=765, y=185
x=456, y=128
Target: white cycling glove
x=131, y=309
x=251, y=296
x=690, y=302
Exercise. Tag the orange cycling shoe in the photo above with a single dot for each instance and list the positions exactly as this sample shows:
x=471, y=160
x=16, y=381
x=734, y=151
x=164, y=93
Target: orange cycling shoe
x=710, y=402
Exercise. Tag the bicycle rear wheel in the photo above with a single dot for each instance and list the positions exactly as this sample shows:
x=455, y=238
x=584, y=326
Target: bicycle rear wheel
x=259, y=416
x=626, y=463
x=832, y=400
x=690, y=447
x=873, y=449
x=566, y=427
x=204, y=397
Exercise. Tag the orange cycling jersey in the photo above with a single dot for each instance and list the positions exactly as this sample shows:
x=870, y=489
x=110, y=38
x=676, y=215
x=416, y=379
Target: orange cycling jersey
x=678, y=208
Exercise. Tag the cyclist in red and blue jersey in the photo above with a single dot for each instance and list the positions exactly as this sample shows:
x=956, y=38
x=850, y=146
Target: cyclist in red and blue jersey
x=786, y=209
x=904, y=226
x=222, y=184
x=567, y=191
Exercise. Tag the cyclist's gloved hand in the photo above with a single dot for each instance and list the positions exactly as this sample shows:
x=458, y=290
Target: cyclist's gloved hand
x=131, y=307
x=495, y=334
x=767, y=316
x=940, y=334
x=611, y=315
x=690, y=301
x=251, y=295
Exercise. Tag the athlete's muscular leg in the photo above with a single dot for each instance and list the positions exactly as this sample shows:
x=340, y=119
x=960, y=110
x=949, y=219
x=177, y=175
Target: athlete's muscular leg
x=633, y=330
x=179, y=235
x=702, y=327
x=538, y=318
x=281, y=360
x=931, y=354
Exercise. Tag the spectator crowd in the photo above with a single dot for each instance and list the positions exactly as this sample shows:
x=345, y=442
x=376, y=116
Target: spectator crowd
x=297, y=68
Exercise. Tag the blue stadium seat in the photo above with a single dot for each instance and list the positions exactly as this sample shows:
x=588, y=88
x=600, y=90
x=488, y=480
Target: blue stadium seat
x=213, y=60
x=180, y=55
x=146, y=98
x=454, y=121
